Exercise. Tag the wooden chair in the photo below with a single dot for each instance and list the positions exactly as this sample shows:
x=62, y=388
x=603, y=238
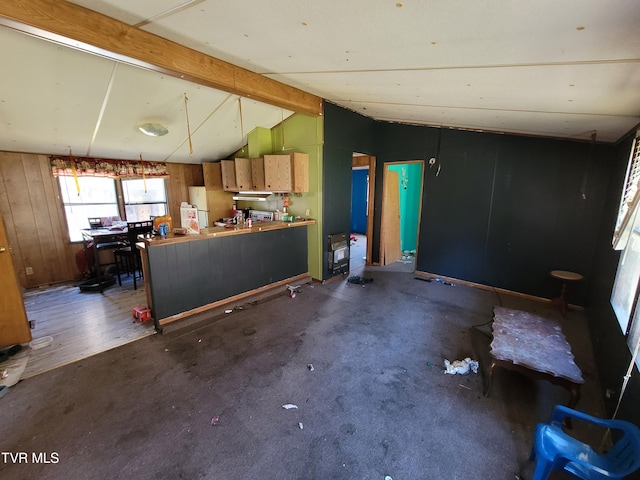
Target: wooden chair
x=128, y=259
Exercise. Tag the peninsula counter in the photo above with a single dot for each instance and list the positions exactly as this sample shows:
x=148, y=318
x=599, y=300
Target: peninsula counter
x=190, y=274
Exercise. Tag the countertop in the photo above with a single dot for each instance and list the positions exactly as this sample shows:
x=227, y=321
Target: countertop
x=209, y=232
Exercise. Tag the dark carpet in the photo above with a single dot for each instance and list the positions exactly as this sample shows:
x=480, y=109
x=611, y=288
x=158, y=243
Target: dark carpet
x=362, y=363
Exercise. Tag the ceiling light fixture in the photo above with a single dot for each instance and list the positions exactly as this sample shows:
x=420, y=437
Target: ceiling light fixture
x=153, y=129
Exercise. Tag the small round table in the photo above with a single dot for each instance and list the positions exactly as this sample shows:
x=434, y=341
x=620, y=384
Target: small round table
x=565, y=277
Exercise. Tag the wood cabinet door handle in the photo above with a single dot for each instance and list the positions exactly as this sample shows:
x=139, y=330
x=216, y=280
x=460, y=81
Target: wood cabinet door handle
x=2, y=249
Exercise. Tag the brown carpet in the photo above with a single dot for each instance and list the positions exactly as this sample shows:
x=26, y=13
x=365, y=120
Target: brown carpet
x=207, y=402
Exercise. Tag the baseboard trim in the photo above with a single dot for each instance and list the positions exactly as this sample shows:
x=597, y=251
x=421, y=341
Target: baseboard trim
x=213, y=309
x=493, y=289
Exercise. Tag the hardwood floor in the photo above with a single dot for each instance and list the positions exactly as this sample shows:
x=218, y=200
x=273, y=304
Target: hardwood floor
x=82, y=324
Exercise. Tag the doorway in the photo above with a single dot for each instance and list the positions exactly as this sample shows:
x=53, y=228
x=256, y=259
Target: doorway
x=401, y=208
x=363, y=168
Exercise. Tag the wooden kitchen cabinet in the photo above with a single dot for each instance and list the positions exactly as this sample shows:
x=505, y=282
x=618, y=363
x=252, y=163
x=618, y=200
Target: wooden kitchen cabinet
x=243, y=174
x=300, y=162
x=257, y=174
x=212, y=175
x=229, y=175
x=287, y=172
x=278, y=173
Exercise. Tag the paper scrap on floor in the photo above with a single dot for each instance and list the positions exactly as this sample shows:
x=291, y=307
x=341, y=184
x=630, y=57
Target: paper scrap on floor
x=461, y=367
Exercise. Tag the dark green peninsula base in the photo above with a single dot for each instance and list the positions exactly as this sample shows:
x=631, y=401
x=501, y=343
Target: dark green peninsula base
x=190, y=275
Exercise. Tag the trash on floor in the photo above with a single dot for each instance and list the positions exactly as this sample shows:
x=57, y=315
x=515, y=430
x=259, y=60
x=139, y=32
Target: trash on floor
x=310, y=367
x=289, y=406
x=300, y=425
x=461, y=367
x=358, y=280
x=11, y=369
x=215, y=420
x=444, y=282
x=228, y=311
x=293, y=289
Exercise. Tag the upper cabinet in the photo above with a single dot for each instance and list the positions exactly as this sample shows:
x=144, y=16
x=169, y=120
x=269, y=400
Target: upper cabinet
x=288, y=172
x=300, y=163
x=243, y=174
x=229, y=175
x=257, y=174
x=280, y=173
x=277, y=173
x=212, y=175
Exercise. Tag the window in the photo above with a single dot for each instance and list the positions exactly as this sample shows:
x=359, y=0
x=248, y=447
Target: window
x=624, y=297
x=629, y=198
x=97, y=198
x=144, y=198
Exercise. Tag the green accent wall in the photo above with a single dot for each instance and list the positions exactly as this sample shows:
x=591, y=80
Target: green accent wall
x=298, y=133
x=409, y=181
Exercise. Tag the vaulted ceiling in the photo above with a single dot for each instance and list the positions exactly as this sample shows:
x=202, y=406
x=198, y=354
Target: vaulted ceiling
x=567, y=69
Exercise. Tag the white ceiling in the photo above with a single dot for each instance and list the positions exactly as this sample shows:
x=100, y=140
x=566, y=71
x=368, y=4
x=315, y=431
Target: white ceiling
x=536, y=67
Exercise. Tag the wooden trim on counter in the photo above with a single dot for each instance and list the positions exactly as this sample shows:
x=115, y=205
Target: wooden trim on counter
x=89, y=31
x=257, y=291
x=210, y=232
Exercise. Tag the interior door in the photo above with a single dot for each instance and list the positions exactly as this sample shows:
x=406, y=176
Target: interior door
x=390, y=234
x=14, y=326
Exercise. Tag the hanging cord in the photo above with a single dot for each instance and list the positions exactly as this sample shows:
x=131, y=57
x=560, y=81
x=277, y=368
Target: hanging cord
x=585, y=178
x=477, y=327
x=186, y=111
x=144, y=179
x=627, y=376
x=282, y=125
x=606, y=439
x=241, y=124
x=75, y=172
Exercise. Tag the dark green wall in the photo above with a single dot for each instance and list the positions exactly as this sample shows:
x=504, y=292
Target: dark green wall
x=345, y=132
x=610, y=348
x=503, y=211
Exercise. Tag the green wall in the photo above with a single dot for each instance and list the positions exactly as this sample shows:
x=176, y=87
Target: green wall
x=298, y=133
x=409, y=180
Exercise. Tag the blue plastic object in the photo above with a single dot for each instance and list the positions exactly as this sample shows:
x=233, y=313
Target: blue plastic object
x=556, y=450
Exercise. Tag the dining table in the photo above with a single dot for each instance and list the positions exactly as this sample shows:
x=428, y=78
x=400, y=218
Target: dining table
x=96, y=241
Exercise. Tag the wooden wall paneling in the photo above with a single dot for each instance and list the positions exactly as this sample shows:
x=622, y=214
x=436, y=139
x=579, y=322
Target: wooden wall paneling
x=65, y=251
x=7, y=214
x=40, y=246
x=22, y=212
x=174, y=193
x=181, y=177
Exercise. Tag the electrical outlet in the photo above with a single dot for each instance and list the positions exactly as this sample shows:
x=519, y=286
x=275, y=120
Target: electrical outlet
x=29, y=270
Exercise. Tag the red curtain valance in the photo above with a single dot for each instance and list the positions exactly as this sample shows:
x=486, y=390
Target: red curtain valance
x=99, y=167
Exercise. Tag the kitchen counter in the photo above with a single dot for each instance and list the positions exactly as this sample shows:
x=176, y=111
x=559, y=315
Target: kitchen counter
x=190, y=275
x=225, y=231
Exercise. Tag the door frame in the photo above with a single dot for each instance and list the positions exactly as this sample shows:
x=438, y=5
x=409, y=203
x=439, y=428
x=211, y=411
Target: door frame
x=358, y=160
x=385, y=168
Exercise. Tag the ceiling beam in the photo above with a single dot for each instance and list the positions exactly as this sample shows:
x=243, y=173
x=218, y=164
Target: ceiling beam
x=78, y=27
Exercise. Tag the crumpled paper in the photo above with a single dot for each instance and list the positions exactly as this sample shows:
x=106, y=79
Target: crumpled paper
x=461, y=367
